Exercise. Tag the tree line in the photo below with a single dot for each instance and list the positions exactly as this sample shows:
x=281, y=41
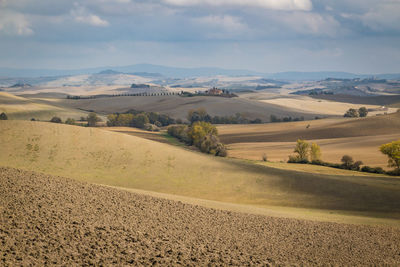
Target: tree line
x=311, y=154
x=201, y=114
x=140, y=119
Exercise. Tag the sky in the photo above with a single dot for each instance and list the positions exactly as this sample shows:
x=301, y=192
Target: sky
x=359, y=36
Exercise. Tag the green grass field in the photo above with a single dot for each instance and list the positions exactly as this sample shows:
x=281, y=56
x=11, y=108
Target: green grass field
x=121, y=160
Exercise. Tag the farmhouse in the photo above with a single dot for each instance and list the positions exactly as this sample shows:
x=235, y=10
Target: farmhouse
x=214, y=91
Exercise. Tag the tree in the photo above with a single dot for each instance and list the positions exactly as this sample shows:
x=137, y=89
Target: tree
x=112, y=120
x=347, y=161
x=198, y=115
x=199, y=130
x=140, y=120
x=392, y=150
x=92, y=119
x=56, y=119
x=315, y=152
x=351, y=113
x=3, y=116
x=301, y=149
x=363, y=112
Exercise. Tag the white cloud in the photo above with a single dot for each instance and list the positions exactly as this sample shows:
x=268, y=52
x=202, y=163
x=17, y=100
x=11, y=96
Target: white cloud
x=13, y=23
x=226, y=22
x=81, y=15
x=385, y=16
x=268, y=4
x=309, y=23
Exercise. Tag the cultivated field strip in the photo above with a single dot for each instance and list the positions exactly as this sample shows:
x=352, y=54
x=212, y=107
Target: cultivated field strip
x=48, y=220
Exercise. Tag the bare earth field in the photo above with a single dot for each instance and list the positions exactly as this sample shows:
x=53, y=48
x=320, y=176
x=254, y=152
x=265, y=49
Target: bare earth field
x=47, y=220
x=359, y=138
x=178, y=107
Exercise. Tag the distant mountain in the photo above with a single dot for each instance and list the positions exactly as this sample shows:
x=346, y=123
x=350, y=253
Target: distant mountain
x=109, y=72
x=149, y=70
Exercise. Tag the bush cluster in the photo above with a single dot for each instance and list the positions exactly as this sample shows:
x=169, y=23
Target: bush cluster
x=201, y=134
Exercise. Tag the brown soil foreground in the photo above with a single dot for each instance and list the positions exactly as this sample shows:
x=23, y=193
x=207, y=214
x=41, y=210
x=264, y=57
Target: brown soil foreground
x=47, y=220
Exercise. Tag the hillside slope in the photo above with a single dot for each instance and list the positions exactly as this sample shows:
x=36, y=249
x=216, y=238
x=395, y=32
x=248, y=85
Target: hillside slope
x=117, y=159
x=21, y=108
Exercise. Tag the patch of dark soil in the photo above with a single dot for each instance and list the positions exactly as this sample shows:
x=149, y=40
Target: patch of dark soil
x=46, y=220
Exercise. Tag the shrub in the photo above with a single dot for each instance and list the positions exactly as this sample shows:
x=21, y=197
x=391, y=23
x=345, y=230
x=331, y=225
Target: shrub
x=3, y=116
x=264, y=157
x=372, y=169
x=56, y=120
x=297, y=159
x=70, y=121
x=151, y=127
x=221, y=150
x=356, y=165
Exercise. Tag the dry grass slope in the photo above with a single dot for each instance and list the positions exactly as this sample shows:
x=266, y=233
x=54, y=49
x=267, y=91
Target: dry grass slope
x=20, y=108
x=117, y=159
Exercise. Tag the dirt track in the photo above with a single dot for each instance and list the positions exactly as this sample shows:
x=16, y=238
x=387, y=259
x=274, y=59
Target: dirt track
x=53, y=220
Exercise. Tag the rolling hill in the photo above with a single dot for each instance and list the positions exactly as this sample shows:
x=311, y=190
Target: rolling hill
x=21, y=108
x=116, y=159
x=178, y=107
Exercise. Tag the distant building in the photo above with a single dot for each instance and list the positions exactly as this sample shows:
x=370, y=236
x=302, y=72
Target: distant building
x=215, y=91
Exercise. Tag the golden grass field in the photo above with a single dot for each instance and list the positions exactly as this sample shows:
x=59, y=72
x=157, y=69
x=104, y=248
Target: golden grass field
x=20, y=108
x=359, y=138
x=325, y=107
x=130, y=162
